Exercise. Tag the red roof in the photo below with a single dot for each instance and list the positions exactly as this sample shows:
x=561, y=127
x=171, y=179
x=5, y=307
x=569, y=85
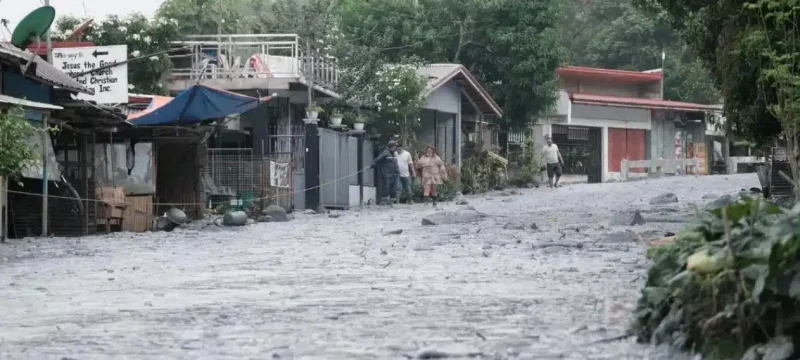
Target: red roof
x=42, y=47
x=609, y=75
x=590, y=99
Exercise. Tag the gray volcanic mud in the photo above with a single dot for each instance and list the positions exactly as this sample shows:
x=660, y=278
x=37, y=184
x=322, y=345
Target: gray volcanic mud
x=543, y=275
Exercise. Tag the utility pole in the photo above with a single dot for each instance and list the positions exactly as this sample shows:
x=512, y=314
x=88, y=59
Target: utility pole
x=311, y=137
x=45, y=139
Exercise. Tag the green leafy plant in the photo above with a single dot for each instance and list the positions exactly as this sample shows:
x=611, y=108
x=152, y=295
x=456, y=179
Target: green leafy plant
x=447, y=191
x=15, y=152
x=729, y=286
x=399, y=98
x=481, y=172
x=531, y=161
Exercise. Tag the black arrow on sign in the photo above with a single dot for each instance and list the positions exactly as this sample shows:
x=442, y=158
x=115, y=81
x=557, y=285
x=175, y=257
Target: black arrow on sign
x=95, y=53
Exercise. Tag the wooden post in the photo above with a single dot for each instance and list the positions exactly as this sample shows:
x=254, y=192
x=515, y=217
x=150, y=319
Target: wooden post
x=2, y=209
x=44, y=177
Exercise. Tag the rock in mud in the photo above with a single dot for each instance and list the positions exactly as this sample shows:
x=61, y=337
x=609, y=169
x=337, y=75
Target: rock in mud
x=664, y=199
x=626, y=236
x=277, y=213
x=710, y=196
x=235, y=218
x=452, y=217
x=721, y=202
x=520, y=225
x=265, y=219
x=627, y=218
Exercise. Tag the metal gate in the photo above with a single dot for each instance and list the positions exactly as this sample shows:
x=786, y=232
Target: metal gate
x=581, y=149
x=335, y=169
x=231, y=177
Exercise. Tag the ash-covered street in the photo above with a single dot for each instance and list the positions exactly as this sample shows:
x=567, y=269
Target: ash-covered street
x=321, y=287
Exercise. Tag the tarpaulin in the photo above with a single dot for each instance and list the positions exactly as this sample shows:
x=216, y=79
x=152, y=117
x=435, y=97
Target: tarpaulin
x=193, y=105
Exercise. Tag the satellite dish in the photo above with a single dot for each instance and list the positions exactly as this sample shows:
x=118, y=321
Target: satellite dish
x=33, y=26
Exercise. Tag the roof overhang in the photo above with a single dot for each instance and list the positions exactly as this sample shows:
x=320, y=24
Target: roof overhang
x=619, y=76
x=470, y=85
x=10, y=100
x=642, y=103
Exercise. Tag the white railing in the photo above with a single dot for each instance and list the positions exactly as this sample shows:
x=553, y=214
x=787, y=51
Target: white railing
x=219, y=57
x=659, y=166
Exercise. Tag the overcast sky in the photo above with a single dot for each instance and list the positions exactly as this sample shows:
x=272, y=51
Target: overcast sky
x=15, y=10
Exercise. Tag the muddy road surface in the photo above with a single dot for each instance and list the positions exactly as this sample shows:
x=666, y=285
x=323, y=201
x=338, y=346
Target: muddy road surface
x=545, y=276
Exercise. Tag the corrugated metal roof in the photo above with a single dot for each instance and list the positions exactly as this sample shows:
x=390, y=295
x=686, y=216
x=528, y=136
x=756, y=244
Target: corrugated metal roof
x=609, y=74
x=45, y=72
x=640, y=102
x=439, y=74
x=5, y=99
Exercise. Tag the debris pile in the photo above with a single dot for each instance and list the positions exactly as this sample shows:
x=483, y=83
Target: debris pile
x=729, y=286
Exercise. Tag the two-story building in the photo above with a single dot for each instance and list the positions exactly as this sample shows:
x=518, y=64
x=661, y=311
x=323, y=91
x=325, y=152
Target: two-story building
x=604, y=116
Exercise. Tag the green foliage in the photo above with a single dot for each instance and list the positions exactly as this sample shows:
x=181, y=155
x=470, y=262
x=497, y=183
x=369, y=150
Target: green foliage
x=531, y=161
x=481, y=172
x=142, y=35
x=621, y=36
x=15, y=152
x=725, y=37
x=447, y=191
x=729, y=286
x=512, y=46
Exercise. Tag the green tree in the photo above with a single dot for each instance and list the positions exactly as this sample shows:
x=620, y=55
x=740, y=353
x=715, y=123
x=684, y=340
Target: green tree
x=512, y=46
x=142, y=35
x=716, y=32
x=15, y=152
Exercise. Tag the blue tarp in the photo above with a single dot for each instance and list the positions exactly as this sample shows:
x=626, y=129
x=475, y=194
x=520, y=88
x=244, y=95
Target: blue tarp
x=196, y=104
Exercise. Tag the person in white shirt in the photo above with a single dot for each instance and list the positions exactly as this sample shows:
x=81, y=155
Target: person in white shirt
x=554, y=161
x=407, y=173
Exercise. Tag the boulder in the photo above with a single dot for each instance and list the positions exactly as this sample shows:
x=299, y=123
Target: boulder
x=663, y=199
x=235, y=218
x=721, y=202
x=452, y=217
x=710, y=196
x=520, y=225
x=462, y=202
x=627, y=218
x=277, y=213
x=264, y=219
x=626, y=236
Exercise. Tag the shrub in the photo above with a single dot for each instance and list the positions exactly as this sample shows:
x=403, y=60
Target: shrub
x=447, y=191
x=728, y=287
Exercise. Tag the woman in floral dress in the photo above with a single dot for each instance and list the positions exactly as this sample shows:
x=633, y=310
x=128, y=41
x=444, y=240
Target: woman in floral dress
x=433, y=172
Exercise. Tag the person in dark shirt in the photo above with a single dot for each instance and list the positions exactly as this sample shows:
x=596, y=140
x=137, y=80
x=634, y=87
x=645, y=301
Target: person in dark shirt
x=389, y=172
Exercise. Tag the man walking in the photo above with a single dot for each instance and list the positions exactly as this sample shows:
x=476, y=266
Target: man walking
x=553, y=159
x=388, y=170
x=405, y=162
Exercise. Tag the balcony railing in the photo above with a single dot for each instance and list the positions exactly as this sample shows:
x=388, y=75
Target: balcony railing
x=219, y=57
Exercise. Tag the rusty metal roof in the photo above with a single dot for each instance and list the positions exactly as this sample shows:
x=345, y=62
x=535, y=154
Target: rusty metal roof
x=45, y=72
x=592, y=99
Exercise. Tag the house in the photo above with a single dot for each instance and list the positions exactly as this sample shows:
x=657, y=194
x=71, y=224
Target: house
x=457, y=104
x=605, y=116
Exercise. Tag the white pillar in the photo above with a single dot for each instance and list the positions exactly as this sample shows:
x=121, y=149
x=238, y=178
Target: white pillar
x=604, y=154
x=458, y=137
x=569, y=111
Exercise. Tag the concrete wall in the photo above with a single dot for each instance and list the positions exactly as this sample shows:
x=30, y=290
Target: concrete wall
x=447, y=98
x=609, y=116
x=651, y=91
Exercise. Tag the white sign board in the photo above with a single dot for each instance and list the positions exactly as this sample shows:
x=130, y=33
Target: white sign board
x=110, y=84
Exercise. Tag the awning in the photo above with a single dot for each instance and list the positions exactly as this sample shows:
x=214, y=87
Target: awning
x=5, y=99
x=195, y=104
x=591, y=99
